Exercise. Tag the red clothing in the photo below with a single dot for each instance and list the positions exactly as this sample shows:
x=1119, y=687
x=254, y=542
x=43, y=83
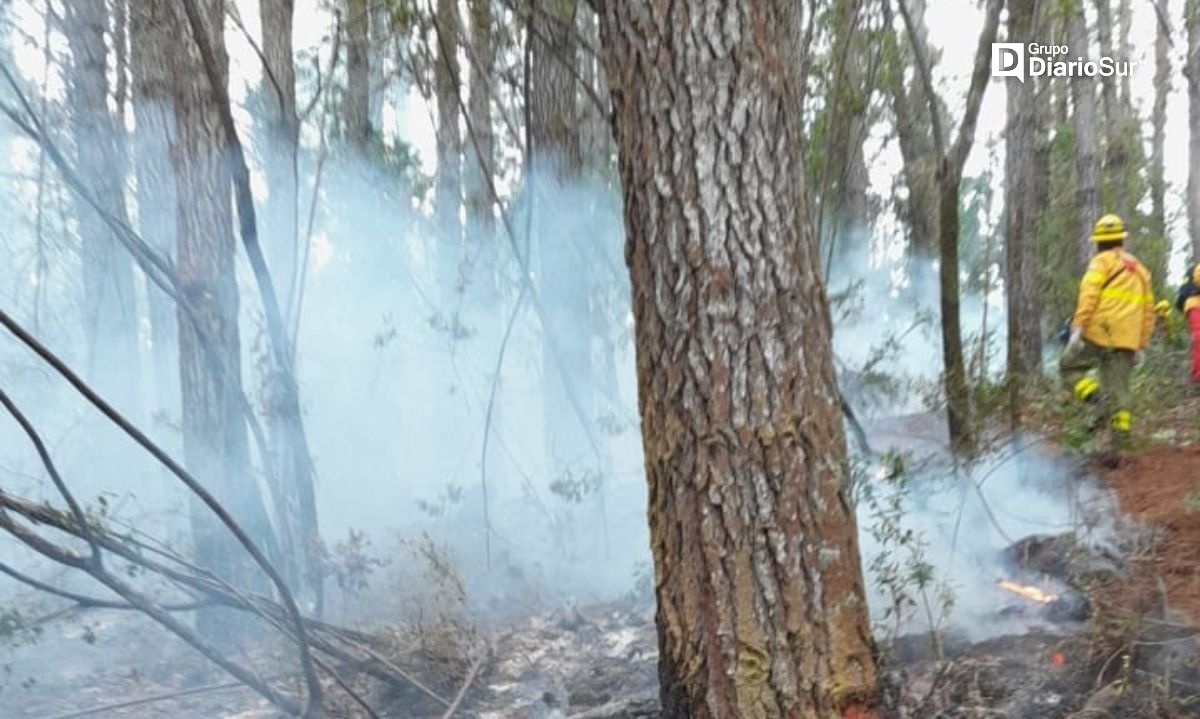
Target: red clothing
x=1193, y=317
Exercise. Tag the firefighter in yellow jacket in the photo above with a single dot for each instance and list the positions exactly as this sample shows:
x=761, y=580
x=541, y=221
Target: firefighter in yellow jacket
x=1114, y=318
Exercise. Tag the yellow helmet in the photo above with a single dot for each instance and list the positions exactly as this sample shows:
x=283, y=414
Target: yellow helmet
x=1109, y=228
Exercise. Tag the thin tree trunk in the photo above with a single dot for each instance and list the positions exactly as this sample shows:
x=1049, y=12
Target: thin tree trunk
x=560, y=237
x=108, y=303
x=760, y=598
x=1192, y=72
x=448, y=189
x=480, y=159
x=356, y=106
x=918, y=154
x=151, y=40
x=381, y=45
x=1087, y=169
x=1158, y=121
x=214, y=434
x=1022, y=199
x=282, y=130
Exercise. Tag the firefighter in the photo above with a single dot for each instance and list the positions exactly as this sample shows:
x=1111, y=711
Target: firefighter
x=1114, y=318
x=1188, y=303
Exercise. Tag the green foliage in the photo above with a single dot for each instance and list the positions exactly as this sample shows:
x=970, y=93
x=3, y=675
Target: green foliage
x=900, y=569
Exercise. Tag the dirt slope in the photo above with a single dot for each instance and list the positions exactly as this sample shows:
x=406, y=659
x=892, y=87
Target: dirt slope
x=1161, y=487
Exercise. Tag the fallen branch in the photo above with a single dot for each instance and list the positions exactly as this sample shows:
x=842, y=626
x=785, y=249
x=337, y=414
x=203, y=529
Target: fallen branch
x=466, y=685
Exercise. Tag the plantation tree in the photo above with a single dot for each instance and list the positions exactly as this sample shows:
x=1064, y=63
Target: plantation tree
x=448, y=190
x=151, y=40
x=919, y=156
x=761, y=610
x=1192, y=72
x=560, y=238
x=1023, y=188
x=1083, y=117
x=282, y=139
x=949, y=176
x=356, y=105
x=108, y=305
x=1158, y=122
x=214, y=433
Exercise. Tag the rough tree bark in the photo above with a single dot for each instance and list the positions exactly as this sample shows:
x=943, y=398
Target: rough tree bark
x=448, y=187
x=154, y=116
x=760, y=597
x=108, y=305
x=560, y=239
x=1192, y=72
x=1083, y=116
x=1023, y=142
x=214, y=434
x=356, y=106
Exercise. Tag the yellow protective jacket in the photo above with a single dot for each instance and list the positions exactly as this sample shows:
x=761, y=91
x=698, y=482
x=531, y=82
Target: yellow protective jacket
x=1193, y=302
x=1116, y=302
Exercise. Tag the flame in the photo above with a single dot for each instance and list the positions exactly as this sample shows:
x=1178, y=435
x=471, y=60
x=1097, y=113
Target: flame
x=1033, y=594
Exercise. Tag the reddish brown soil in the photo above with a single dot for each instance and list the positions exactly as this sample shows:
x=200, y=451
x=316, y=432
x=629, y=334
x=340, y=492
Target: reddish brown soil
x=1161, y=487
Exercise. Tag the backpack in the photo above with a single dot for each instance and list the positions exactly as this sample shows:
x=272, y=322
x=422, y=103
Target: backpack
x=1187, y=290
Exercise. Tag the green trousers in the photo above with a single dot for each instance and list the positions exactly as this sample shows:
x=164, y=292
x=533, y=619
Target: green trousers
x=1115, y=366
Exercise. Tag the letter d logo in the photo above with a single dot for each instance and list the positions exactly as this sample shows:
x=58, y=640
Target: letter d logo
x=1008, y=60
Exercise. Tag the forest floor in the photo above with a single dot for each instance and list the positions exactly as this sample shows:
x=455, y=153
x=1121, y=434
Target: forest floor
x=1136, y=656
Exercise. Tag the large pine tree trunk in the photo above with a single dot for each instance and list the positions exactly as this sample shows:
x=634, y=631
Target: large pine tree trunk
x=214, y=434
x=356, y=106
x=151, y=41
x=1022, y=199
x=108, y=303
x=1087, y=162
x=760, y=599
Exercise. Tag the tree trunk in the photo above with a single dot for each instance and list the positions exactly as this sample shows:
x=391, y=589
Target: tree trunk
x=843, y=210
x=356, y=106
x=1087, y=170
x=918, y=155
x=561, y=239
x=108, y=304
x=151, y=41
x=282, y=138
x=1192, y=72
x=761, y=610
x=381, y=45
x=448, y=190
x=214, y=435
x=1158, y=121
x=480, y=162
x=1021, y=203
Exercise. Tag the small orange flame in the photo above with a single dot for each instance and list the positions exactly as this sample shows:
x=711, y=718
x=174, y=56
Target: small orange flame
x=1033, y=594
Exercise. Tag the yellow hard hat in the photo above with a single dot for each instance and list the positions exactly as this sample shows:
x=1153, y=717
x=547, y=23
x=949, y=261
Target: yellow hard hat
x=1109, y=228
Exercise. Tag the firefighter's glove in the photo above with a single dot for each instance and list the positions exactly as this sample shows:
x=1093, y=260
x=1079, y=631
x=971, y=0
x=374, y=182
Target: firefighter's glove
x=1076, y=340
x=1163, y=308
